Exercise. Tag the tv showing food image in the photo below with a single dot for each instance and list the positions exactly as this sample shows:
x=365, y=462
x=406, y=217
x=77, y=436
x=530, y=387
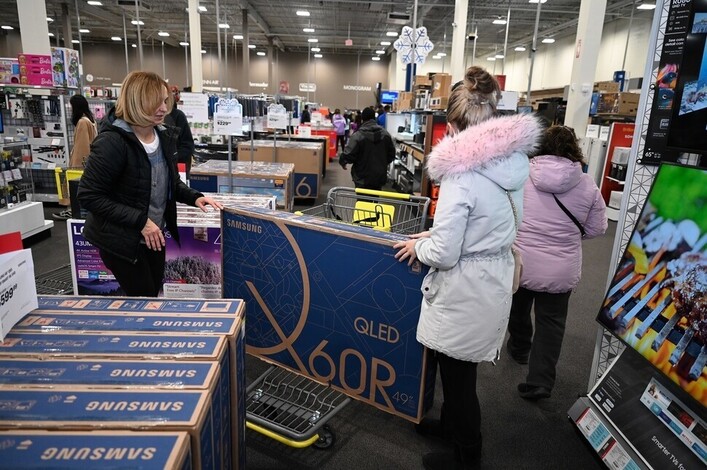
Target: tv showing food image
x=657, y=300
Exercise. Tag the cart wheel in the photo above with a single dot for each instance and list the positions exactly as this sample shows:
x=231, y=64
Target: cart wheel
x=326, y=438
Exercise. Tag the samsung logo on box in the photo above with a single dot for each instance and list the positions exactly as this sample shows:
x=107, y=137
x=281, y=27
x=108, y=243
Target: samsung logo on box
x=99, y=453
x=166, y=373
x=168, y=344
x=189, y=323
x=135, y=406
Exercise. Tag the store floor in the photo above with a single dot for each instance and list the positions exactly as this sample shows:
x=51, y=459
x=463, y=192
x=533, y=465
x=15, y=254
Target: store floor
x=517, y=434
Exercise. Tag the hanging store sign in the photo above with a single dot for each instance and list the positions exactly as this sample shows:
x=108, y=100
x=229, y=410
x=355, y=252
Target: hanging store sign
x=228, y=118
x=310, y=87
x=195, y=106
x=357, y=88
x=259, y=84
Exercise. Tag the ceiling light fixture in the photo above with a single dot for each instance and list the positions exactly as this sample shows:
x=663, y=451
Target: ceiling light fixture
x=202, y=8
x=318, y=56
x=312, y=40
x=6, y=27
x=50, y=20
x=51, y=35
x=116, y=38
x=75, y=41
x=392, y=34
x=308, y=30
x=646, y=6
x=224, y=25
x=519, y=49
x=491, y=59
x=499, y=56
x=316, y=49
x=136, y=22
x=499, y=21
x=84, y=31
x=238, y=37
x=376, y=58
x=203, y=51
x=379, y=52
x=385, y=43
x=436, y=57
x=164, y=34
x=548, y=40
x=184, y=43
x=134, y=45
x=442, y=54
x=252, y=46
x=261, y=53
x=302, y=13
x=94, y=3
x=536, y=1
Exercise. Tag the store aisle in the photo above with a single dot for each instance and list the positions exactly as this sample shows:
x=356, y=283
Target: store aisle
x=517, y=434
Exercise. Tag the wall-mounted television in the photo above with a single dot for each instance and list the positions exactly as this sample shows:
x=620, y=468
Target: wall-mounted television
x=688, y=125
x=657, y=299
x=388, y=96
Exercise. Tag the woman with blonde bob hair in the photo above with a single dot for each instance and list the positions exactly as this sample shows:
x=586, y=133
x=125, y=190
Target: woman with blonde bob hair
x=481, y=166
x=131, y=185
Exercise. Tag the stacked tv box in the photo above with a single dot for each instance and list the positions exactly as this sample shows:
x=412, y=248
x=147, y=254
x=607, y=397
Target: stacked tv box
x=162, y=379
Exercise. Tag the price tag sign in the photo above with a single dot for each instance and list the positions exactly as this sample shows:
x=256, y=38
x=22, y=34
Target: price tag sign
x=277, y=117
x=16, y=174
x=7, y=174
x=228, y=118
x=593, y=131
x=18, y=293
x=304, y=131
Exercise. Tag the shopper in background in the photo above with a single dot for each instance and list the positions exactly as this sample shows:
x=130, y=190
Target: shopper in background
x=355, y=122
x=84, y=133
x=382, y=115
x=131, y=186
x=177, y=118
x=550, y=243
x=339, y=123
x=305, y=118
x=481, y=165
x=370, y=150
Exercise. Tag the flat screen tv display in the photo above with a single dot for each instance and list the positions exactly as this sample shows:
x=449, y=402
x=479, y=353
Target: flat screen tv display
x=657, y=299
x=388, y=96
x=688, y=126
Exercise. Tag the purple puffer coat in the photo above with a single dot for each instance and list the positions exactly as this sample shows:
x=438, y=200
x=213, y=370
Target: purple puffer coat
x=549, y=242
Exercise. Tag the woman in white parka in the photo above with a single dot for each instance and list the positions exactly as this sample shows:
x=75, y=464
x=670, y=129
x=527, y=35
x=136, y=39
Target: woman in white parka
x=482, y=166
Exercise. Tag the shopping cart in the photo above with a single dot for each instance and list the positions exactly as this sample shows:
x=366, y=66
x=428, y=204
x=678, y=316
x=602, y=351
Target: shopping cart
x=292, y=409
x=380, y=210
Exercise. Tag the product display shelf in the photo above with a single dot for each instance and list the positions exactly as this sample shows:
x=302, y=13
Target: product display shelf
x=26, y=217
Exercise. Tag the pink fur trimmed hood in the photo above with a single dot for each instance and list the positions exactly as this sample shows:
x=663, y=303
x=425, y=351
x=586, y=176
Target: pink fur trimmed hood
x=491, y=141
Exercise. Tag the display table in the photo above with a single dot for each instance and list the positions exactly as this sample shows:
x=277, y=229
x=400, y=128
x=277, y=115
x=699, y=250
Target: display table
x=26, y=217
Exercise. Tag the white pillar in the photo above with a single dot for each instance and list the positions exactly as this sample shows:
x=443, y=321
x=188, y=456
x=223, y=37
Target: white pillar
x=584, y=65
x=461, y=9
x=34, y=31
x=197, y=73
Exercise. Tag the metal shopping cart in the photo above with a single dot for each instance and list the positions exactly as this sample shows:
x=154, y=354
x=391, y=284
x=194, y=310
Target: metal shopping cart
x=380, y=210
x=293, y=409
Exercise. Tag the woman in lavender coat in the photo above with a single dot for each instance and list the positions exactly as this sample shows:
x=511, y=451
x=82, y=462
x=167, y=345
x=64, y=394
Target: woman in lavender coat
x=551, y=246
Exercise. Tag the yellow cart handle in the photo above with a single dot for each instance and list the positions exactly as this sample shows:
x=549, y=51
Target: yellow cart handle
x=282, y=439
x=388, y=194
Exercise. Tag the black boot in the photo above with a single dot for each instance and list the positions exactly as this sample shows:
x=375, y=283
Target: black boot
x=446, y=460
x=430, y=427
x=469, y=456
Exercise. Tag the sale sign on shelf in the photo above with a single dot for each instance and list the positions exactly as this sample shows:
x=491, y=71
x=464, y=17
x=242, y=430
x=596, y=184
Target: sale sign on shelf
x=228, y=118
x=18, y=293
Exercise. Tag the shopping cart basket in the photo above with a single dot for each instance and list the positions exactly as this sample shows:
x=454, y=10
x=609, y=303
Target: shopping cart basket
x=292, y=409
x=380, y=210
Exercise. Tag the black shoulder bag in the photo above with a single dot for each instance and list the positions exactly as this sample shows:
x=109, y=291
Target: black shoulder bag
x=569, y=214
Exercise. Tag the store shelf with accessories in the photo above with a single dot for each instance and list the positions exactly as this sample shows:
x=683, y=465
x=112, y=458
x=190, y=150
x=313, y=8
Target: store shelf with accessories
x=18, y=211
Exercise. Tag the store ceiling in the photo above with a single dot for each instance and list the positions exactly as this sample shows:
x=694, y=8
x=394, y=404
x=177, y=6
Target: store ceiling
x=367, y=21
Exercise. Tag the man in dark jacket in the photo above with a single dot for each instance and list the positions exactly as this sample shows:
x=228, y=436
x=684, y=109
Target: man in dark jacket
x=305, y=118
x=370, y=150
x=185, y=145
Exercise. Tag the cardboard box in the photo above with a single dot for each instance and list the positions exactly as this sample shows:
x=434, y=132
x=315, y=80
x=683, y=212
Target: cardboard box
x=306, y=158
x=34, y=59
x=441, y=85
x=422, y=81
x=9, y=71
x=85, y=410
x=439, y=102
x=352, y=325
x=625, y=104
x=607, y=87
x=95, y=450
x=269, y=179
x=97, y=304
x=36, y=74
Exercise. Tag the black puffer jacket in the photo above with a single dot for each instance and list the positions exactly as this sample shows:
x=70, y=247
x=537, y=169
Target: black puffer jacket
x=371, y=150
x=115, y=189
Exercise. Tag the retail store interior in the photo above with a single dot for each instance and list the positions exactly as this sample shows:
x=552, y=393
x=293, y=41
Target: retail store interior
x=271, y=92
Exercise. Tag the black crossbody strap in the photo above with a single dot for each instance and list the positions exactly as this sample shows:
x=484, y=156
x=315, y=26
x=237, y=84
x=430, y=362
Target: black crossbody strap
x=569, y=214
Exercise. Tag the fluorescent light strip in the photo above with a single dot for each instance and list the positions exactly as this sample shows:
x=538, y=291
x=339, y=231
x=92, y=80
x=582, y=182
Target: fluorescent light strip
x=94, y=3
x=261, y=53
x=312, y=40
x=302, y=13
x=316, y=49
x=224, y=25
x=164, y=34
x=392, y=34
x=385, y=43
x=238, y=37
x=84, y=31
x=376, y=58
x=318, y=56
x=308, y=30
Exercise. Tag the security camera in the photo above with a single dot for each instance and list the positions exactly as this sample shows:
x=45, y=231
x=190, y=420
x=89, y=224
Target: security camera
x=471, y=37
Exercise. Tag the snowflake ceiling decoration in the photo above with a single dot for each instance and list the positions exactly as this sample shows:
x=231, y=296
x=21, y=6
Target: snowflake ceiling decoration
x=413, y=47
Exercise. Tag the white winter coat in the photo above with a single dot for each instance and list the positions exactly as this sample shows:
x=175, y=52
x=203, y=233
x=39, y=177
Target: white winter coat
x=467, y=293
